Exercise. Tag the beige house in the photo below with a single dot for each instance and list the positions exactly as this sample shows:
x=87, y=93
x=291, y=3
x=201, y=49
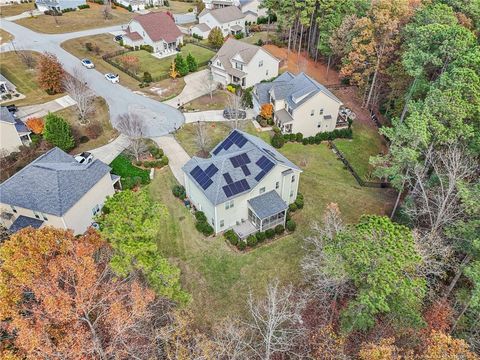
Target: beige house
x=244, y=64
x=246, y=185
x=13, y=132
x=229, y=19
x=56, y=190
x=300, y=104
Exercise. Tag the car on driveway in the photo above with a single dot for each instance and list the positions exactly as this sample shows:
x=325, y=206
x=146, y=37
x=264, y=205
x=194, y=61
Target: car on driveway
x=88, y=63
x=84, y=158
x=234, y=114
x=113, y=78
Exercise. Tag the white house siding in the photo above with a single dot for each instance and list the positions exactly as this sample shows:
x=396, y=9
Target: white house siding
x=199, y=200
x=128, y=42
x=256, y=73
x=195, y=30
x=44, y=5
x=9, y=139
x=52, y=220
x=225, y=27
x=135, y=7
x=307, y=124
x=80, y=216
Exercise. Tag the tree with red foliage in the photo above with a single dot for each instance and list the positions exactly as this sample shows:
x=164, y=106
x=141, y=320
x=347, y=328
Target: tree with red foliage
x=50, y=74
x=36, y=125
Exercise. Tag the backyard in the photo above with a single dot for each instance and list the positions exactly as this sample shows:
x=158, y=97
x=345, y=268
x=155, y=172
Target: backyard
x=24, y=78
x=218, y=278
x=177, y=7
x=76, y=20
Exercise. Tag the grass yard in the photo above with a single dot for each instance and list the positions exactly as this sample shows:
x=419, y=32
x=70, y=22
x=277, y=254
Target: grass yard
x=218, y=278
x=253, y=39
x=25, y=79
x=176, y=7
x=123, y=167
x=16, y=9
x=76, y=20
x=217, y=131
x=5, y=36
x=100, y=117
x=218, y=101
x=161, y=67
x=366, y=142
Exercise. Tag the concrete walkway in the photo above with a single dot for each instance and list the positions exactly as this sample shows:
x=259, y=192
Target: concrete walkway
x=107, y=153
x=194, y=88
x=40, y=110
x=177, y=156
x=25, y=14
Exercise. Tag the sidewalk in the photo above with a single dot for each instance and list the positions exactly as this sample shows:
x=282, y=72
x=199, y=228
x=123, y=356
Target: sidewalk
x=177, y=156
x=41, y=110
x=25, y=14
x=211, y=115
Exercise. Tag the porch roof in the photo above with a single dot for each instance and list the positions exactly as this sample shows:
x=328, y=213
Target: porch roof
x=283, y=116
x=267, y=204
x=23, y=222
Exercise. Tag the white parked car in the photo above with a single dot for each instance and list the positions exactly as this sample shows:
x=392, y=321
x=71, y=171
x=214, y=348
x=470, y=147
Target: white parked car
x=84, y=158
x=113, y=78
x=88, y=63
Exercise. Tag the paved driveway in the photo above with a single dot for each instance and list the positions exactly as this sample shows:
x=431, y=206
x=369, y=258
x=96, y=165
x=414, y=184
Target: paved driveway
x=211, y=115
x=177, y=156
x=160, y=119
x=40, y=110
x=194, y=88
x=110, y=151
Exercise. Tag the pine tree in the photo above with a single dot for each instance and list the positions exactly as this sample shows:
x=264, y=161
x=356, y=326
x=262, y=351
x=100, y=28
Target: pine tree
x=192, y=63
x=181, y=65
x=57, y=132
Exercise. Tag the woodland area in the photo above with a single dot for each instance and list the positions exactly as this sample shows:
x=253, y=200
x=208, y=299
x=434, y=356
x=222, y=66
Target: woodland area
x=404, y=287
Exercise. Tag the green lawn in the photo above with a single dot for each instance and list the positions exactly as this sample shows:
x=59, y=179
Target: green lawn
x=186, y=136
x=253, y=39
x=161, y=67
x=366, y=142
x=218, y=278
x=123, y=167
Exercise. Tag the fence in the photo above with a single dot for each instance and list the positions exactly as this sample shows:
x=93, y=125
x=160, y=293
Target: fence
x=357, y=177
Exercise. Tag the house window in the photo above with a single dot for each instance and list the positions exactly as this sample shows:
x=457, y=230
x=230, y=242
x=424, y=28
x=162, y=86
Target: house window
x=219, y=63
x=37, y=215
x=293, y=178
x=291, y=193
x=262, y=190
x=312, y=112
x=266, y=73
x=14, y=209
x=239, y=66
x=321, y=111
x=222, y=223
x=44, y=217
x=213, y=222
x=229, y=204
x=277, y=185
x=260, y=63
x=96, y=210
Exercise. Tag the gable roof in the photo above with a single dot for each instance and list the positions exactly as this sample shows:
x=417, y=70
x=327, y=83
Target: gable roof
x=240, y=160
x=225, y=14
x=159, y=26
x=6, y=116
x=52, y=183
x=294, y=89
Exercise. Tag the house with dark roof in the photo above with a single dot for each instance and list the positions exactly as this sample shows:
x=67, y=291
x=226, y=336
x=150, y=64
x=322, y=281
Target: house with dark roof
x=13, y=132
x=300, y=104
x=229, y=19
x=244, y=64
x=56, y=190
x=245, y=185
x=157, y=29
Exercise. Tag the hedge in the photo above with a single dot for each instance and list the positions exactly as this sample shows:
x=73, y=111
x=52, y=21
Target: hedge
x=278, y=140
x=232, y=237
x=200, y=216
x=291, y=225
x=204, y=228
x=252, y=240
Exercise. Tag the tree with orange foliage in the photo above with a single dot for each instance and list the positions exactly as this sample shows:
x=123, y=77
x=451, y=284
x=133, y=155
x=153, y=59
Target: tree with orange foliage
x=266, y=111
x=50, y=74
x=130, y=62
x=81, y=310
x=444, y=347
x=36, y=125
x=173, y=71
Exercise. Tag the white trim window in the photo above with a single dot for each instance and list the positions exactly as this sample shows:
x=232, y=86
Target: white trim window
x=222, y=223
x=277, y=184
x=96, y=210
x=260, y=63
x=229, y=204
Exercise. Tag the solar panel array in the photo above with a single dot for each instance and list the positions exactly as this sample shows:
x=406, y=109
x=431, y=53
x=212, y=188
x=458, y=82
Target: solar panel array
x=236, y=188
x=265, y=165
x=227, y=178
x=203, y=178
x=246, y=170
x=240, y=160
x=234, y=138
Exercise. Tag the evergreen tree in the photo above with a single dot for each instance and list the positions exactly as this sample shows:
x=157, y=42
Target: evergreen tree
x=181, y=65
x=57, y=132
x=192, y=63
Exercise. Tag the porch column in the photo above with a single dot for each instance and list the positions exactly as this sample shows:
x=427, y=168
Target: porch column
x=284, y=217
x=261, y=225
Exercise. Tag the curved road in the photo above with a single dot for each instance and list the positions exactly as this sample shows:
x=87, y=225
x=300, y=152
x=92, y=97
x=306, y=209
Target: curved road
x=159, y=118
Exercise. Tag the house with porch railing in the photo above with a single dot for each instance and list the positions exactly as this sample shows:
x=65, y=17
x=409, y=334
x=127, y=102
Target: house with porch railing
x=245, y=185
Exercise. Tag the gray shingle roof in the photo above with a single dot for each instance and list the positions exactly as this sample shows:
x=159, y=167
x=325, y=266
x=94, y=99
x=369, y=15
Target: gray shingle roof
x=267, y=204
x=294, y=89
x=254, y=147
x=24, y=221
x=225, y=14
x=6, y=115
x=52, y=183
x=202, y=27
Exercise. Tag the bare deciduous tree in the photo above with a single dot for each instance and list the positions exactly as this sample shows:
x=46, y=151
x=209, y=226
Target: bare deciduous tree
x=107, y=10
x=208, y=83
x=28, y=59
x=234, y=103
x=132, y=126
x=202, y=137
x=76, y=86
x=232, y=339
x=276, y=322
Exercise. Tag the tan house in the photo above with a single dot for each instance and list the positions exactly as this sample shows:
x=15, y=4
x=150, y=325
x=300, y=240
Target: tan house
x=13, y=132
x=300, y=104
x=56, y=190
x=230, y=20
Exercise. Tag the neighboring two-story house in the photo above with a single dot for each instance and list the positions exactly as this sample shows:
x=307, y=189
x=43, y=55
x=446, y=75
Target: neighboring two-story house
x=244, y=64
x=216, y=4
x=246, y=185
x=300, y=104
x=56, y=190
x=156, y=29
x=252, y=9
x=229, y=19
x=58, y=5
x=13, y=132
x=140, y=4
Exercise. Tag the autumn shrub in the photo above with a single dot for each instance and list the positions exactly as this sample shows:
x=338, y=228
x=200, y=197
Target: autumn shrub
x=279, y=229
x=36, y=125
x=50, y=74
x=58, y=132
x=94, y=130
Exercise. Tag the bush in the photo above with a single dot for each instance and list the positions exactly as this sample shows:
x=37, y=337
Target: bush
x=299, y=137
x=84, y=6
x=164, y=160
x=231, y=236
x=279, y=229
x=198, y=37
x=83, y=139
x=270, y=233
x=277, y=141
x=298, y=203
x=178, y=191
x=204, y=228
x=190, y=9
x=155, y=151
x=147, y=77
x=89, y=46
x=291, y=225
x=94, y=130
x=68, y=10
x=260, y=42
x=239, y=36
x=36, y=125
x=251, y=240
x=242, y=245
x=148, y=48
x=58, y=132
x=305, y=141
x=292, y=207
x=260, y=236
x=200, y=216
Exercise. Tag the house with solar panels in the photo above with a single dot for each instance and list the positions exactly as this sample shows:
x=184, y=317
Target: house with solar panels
x=300, y=104
x=245, y=185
